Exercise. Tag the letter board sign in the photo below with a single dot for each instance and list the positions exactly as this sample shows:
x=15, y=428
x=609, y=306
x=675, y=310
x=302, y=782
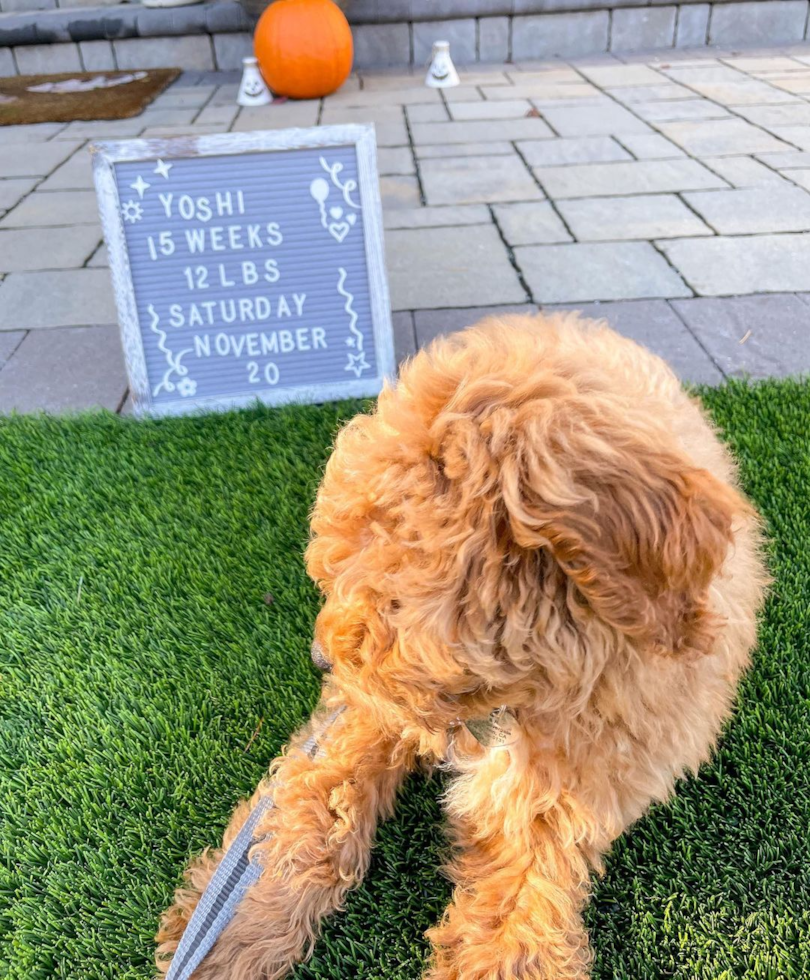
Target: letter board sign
x=247, y=265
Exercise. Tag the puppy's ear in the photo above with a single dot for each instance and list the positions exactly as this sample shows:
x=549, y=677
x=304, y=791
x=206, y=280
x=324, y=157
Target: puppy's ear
x=639, y=531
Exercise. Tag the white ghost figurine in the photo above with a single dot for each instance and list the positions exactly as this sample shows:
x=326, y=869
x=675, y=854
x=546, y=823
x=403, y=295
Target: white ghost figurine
x=442, y=72
x=252, y=89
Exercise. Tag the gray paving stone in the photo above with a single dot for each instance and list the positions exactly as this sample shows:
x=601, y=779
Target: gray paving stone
x=400, y=192
x=743, y=171
x=63, y=370
x=427, y=112
x=433, y=150
x=395, y=160
x=621, y=76
x=604, y=219
x=760, y=336
x=277, y=116
x=596, y=120
x=653, y=324
x=493, y=39
x=100, y=258
x=550, y=95
x=762, y=22
x=477, y=180
x=680, y=110
x=547, y=35
x=667, y=91
x=791, y=159
x=32, y=133
x=650, y=147
x=579, y=273
x=102, y=129
x=504, y=109
x=462, y=93
x=483, y=130
x=416, y=94
x=436, y=323
x=14, y=190
x=739, y=266
x=9, y=341
x=536, y=223
x=799, y=177
x=459, y=33
x=799, y=136
x=754, y=210
x=80, y=297
x=52, y=209
x=720, y=137
x=577, y=149
x=635, y=177
x=470, y=214
x=32, y=249
x=634, y=29
x=22, y=160
x=196, y=96
x=742, y=92
x=217, y=115
x=693, y=25
x=404, y=335
x=436, y=267
x=772, y=116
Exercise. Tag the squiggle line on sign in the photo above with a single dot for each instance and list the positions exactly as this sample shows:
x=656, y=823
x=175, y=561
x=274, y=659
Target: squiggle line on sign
x=172, y=360
x=348, y=308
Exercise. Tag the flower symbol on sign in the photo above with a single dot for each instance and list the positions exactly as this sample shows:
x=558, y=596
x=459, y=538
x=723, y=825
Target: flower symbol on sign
x=131, y=211
x=187, y=387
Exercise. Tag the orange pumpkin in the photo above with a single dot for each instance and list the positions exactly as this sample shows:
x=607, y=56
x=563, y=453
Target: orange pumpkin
x=304, y=47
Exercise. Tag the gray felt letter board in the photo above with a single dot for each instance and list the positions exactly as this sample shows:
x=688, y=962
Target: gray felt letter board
x=247, y=265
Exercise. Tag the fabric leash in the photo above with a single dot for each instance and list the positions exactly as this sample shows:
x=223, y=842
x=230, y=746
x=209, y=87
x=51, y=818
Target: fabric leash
x=229, y=883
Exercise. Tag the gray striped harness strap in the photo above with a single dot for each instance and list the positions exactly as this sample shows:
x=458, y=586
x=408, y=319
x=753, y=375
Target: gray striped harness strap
x=231, y=880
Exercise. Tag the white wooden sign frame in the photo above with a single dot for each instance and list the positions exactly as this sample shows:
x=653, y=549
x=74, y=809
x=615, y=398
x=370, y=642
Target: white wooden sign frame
x=105, y=154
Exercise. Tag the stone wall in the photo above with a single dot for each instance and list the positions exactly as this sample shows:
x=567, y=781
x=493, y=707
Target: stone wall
x=216, y=35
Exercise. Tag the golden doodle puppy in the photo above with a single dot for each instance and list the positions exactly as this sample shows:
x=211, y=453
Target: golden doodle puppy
x=536, y=516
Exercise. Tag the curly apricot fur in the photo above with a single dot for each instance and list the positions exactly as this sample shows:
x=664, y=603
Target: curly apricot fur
x=535, y=515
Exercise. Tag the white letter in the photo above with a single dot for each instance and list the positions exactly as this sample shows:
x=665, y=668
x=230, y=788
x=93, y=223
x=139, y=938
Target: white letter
x=271, y=273
x=283, y=307
x=166, y=201
x=274, y=236
x=318, y=338
x=298, y=299
x=176, y=318
x=235, y=236
x=202, y=346
x=249, y=273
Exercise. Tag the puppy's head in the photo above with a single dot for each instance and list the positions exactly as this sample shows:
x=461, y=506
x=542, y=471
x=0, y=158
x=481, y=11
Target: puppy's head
x=506, y=520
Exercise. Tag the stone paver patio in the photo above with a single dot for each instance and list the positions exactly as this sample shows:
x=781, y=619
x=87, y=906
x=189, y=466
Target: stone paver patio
x=668, y=194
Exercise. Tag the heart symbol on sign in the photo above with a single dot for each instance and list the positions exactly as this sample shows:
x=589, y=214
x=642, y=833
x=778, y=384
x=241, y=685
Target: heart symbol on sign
x=336, y=212
x=351, y=218
x=338, y=231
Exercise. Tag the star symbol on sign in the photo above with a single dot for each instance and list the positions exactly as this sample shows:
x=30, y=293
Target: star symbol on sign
x=350, y=341
x=357, y=363
x=140, y=186
x=163, y=169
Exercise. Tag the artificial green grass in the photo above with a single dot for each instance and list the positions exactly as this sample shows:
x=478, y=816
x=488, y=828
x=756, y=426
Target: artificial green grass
x=146, y=681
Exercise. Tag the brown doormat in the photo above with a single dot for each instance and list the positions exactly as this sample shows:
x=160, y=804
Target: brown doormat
x=82, y=95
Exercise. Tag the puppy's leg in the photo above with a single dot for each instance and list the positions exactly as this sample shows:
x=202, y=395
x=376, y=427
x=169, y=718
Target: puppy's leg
x=522, y=878
x=315, y=846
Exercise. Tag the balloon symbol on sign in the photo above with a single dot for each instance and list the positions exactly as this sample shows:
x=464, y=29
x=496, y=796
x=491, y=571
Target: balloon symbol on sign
x=319, y=189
